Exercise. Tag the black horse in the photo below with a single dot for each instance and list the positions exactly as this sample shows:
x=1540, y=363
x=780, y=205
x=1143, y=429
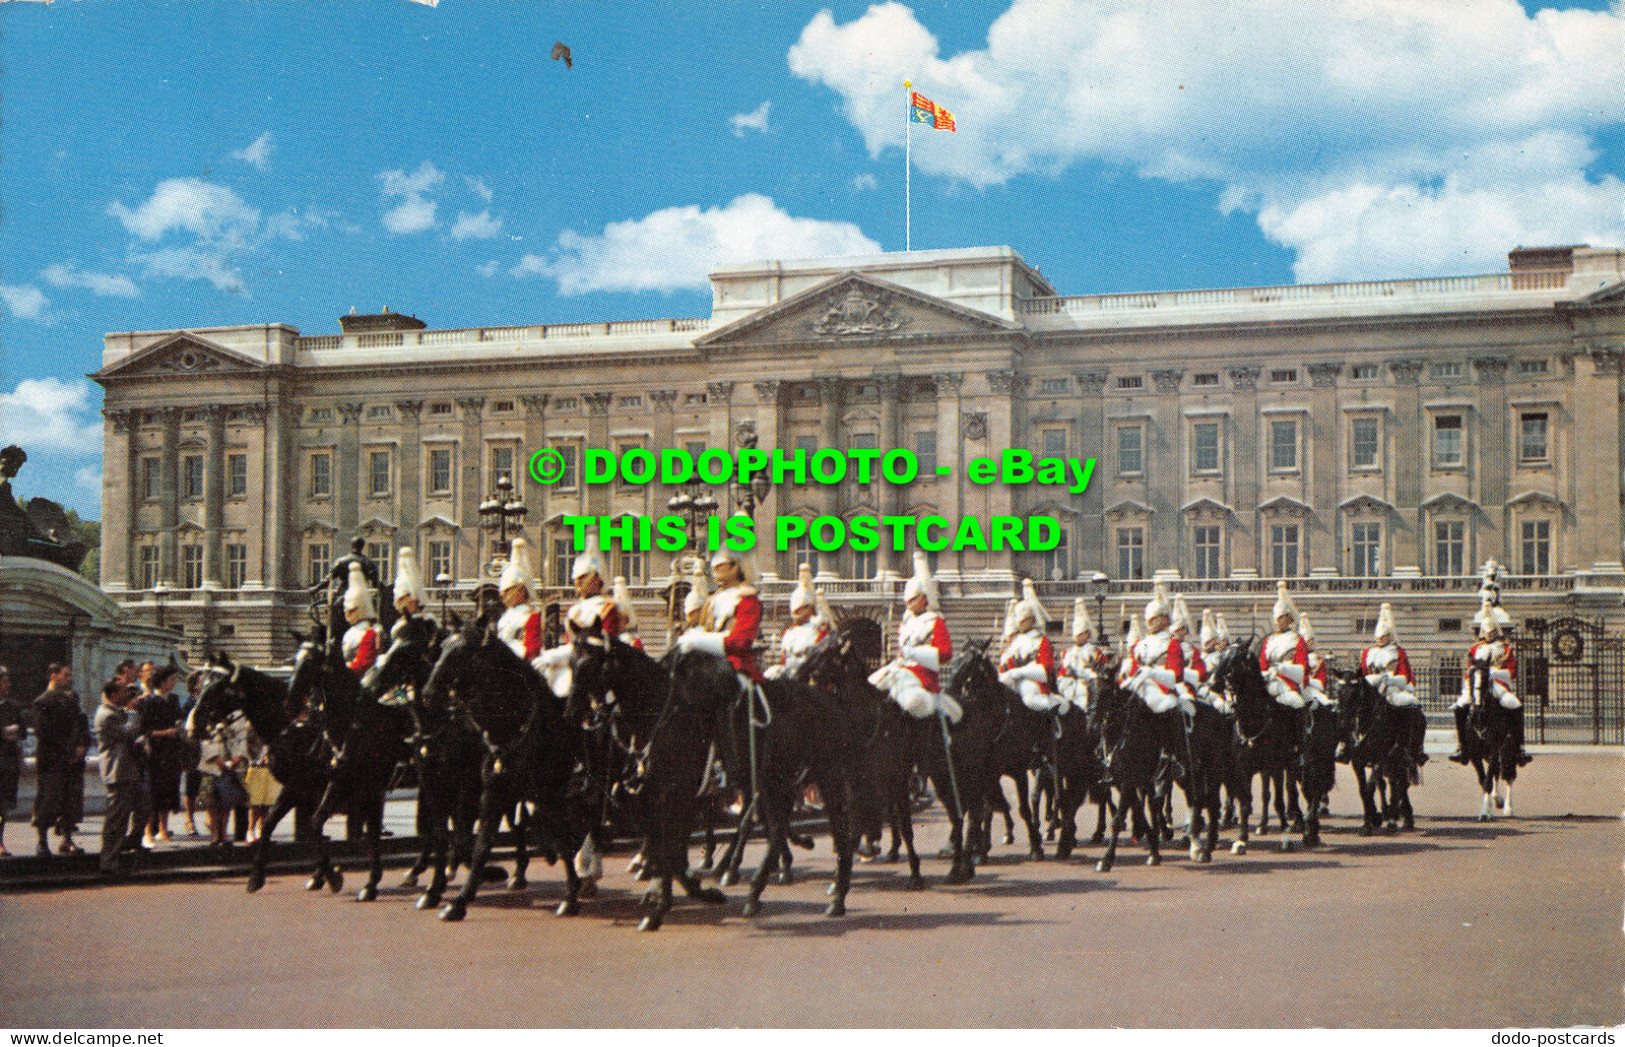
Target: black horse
x=1267, y=736
x=1375, y=734
x=368, y=740
x=1490, y=743
x=446, y=753
x=1317, y=765
x=1078, y=769
x=299, y=754
x=963, y=765
x=1132, y=756
x=1023, y=744
x=532, y=753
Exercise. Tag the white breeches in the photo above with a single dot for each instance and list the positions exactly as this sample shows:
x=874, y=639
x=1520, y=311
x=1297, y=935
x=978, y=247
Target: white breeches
x=554, y=665
x=1500, y=684
x=1283, y=693
x=1394, y=688
x=1314, y=694
x=1160, y=701
x=906, y=690
x=1074, y=691
x=1034, y=698
x=776, y=672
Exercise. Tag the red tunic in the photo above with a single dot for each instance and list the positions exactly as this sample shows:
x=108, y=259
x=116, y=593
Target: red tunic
x=1401, y=666
x=930, y=678
x=740, y=639
x=366, y=652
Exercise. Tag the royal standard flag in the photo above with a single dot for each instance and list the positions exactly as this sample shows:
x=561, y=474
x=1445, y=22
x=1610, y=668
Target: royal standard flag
x=925, y=111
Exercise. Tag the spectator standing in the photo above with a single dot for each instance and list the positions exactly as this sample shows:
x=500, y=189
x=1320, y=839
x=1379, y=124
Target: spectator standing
x=11, y=753
x=160, y=713
x=220, y=762
x=63, y=734
x=262, y=786
x=193, y=778
x=123, y=764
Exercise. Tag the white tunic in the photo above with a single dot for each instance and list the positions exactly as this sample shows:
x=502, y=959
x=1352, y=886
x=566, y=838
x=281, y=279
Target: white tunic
x=1150, y=676
x=1489, y=654
x=1382, y=672
x=1079, y=672
x=1282, y=672
x=795, y=643
x=511, y=627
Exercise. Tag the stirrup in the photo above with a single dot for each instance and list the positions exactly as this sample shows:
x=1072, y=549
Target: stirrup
x=1459, y=757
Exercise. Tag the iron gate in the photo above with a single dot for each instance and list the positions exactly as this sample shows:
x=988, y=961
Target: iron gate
x=1571, y=680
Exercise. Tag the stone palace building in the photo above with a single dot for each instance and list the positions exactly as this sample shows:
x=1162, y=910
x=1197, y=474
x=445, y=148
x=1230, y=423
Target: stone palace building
x=1369, y=441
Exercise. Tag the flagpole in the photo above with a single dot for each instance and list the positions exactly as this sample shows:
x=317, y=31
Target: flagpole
x=908, y=150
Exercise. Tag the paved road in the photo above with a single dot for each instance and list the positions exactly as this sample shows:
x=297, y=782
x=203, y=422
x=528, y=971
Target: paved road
x=1516, y=923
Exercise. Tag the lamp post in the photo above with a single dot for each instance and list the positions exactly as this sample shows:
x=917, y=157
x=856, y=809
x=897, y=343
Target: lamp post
x=695, y=504
x=1099, y=583
x=159, y=592
x=751, y=493
x=501, y=512
x=442, y=581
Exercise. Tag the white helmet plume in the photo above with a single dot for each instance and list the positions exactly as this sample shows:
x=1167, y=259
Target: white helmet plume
x=520, y=570
x=358, y=595
x=1283, y=603
x=1081, y=622
x=408, y=579
x=1385, y=624
x=1158, y=606
x=590, y=560
x=921, y=583
x=623, y=602
x=802, y=595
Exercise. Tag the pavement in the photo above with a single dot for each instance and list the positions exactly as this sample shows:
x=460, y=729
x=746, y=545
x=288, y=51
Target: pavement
x=1512, y=923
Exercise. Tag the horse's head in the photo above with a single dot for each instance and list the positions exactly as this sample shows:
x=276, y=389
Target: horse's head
x=481, y=675
x=221, y=695
x=410, y=656
x=308, y=663
x=970, y=677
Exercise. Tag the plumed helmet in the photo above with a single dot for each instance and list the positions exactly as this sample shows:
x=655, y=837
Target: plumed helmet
x=824, y=612
x=589, y=561
x=802, y=595
x=698, y=591
x=1306, y=630
x=1385, y=624
x=1158, y=606
x=1182, y=616
x=1223, y=628
x=1136, y=633
x=520, y=570
x=623, y=601
x=358, y=595
x=1032, y=605
x=1283, y=603
x=1010, y=627
x=1491, y=619
x=408, y=578
x=1081, y=622
x=738, y=559
x=1210, y=628
x=921, y=583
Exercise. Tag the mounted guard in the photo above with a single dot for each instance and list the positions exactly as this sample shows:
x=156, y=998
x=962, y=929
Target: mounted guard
x=1082, y=665
x=520, y=626
x=1028, y=661
x=810, y=621
x=923, y=649
x=1315, y=685
x=1193, y=678
x=1493, y=652
x=1284, y=660
x=731, y=619
x=1387, y=667
x=363, y=640
x=1214, y=640
x=1155, y=671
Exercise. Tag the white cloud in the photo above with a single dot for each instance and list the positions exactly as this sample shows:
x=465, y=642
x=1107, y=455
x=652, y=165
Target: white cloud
x=865, y=181
x=478, y=188
x=675, y=248
x=292, y=225
x=1395, y=104
x=108, y=285
x=257, y=153
x=756, y=120
x=475, y=226
x=416, y=212
x=208, y=211
x=89, y=477
x=24, y=301
x=192, y=263
x=49, y=414
x=488, y=269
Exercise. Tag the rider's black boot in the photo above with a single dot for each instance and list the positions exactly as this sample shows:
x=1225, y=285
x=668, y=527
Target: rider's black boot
x=1419, y=731
x=1460, y=755
x=1517, y=737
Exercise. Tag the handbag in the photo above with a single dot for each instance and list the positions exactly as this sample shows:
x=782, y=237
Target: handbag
x=228, y=789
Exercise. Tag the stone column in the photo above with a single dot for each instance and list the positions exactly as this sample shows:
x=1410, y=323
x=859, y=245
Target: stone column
x=1092, y=554
x=1596, y=544
x=255, y=571
x=597, y=500
x=409, y=419
x=1494, y=451
x=1325, y=470
x=533, y=494
x=889, y=386
x=1004, y=388
x=1410, y=557
x=169, y=491
x=470, y=485
x=214, y=493
x=1249, y=472
x=951, y=451
x=1167, y=545
x=277, y=454
x=829, y=400
x=347, y=472
x=767, y=420
x=664, y=434
x=121, y=463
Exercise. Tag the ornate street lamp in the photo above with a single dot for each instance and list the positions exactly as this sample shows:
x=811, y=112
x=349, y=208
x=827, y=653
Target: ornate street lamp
x=442, y=581
x=750, y=494
x=695, y=504
x=500, y=513
x=1098, y=584
x=159, y=592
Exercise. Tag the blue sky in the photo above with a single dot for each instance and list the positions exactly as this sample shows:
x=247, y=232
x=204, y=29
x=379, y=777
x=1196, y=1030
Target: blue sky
x=193, y=163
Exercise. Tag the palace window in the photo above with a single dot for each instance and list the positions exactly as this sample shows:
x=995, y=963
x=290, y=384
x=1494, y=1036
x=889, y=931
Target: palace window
x=694, y=399
x=1365, y=626
x=564, y=556
x=321, y=475
x=1537, y=546
x=866, y=564
x=1533, y=446
x=440, y=562
x=502, y=407
x=378, y=553
x=1365, y=372
x=1054, y=443
x=236, y=475
x=1053, y=387
x=501, y=465
x=1452, y=369
x=1365, y=550
x=1053, y=563
x=440, y=470
x=321, y=414
x=1205, y=447
x=1284, y=375
x=631, y=401
x=632, y=565
x=440, y=408
x=1448, y=452
x=565, y=403
x=1450, y=625
x=621, y=449
x=1205, y=378
x=1283, y=550
x=1283, y=447
x=802, y=552
x=151, y=479
x=1130, y=450
x=567, y=474
x=1130, y=553
x=1449, y=547
x=380, y=412
x=318, y=555
x=1532, y=367
x=1365, y=443
x=1205, y=540
x=925, y=449
x=192, y=476
x=149, y=567
x=378, y=473
x=236, y=565
x=1131, y=381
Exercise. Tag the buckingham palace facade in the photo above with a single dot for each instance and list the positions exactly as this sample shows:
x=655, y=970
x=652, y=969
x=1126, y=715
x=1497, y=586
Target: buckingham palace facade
x=1369, y=441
